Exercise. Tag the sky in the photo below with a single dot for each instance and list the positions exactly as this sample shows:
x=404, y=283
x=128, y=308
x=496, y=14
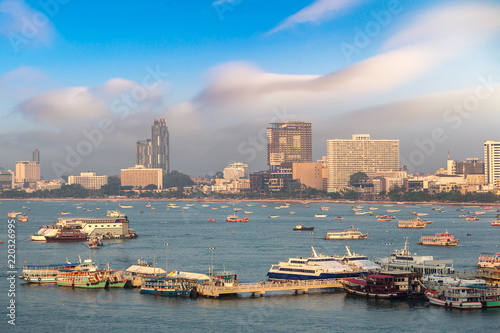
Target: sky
x=84, y=80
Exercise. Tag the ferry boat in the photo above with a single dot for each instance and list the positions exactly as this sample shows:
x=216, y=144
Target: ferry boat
x=471, y=218
x=404, y=260
x=488, y=295
x=488, y=260
x=463, y=215
x=22, y=218
x=13, y=214
x=412, y=224
x=445, y=239
x=358, y=260
x=345, y=234
x=91, y=279
x=319, y=215
x=165, y=287
x=455, y=297
x=386, y=286
x=67, y=235
x=439, y=282
x=115, y=213
x=300, y=227
x=48, y=273
x=317, y=266
x=496, y=223
x=234, y=218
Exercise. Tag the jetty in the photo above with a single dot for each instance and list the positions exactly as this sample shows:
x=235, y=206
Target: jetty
x=212, y=289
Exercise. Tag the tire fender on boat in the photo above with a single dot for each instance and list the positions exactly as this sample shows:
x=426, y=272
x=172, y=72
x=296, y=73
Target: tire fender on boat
x=39, y=279
x=28, y=279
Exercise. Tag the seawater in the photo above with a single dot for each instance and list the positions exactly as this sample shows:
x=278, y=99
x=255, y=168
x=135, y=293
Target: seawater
x=249, y=249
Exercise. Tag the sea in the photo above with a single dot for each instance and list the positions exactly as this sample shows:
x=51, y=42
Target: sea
x=249, y=250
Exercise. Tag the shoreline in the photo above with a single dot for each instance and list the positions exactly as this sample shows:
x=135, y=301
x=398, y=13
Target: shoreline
x=303, y=201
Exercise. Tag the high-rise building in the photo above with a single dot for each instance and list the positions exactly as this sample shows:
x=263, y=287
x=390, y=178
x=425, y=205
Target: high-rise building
x=491, y=161
x=154, y=152
x=289, y=142
x=88, y=180
x=36, y=155
x=346, y=157
x=27, y=172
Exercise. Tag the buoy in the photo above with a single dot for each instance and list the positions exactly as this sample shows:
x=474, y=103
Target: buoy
x=1, y=242
x=469, y=234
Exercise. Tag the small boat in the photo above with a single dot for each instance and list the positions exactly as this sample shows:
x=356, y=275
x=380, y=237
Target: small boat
x=384, y=219
x=320, y=215
x=444, y=239
x=264, y=205
x=125, y=206
x=214, y=208
x=339, y=218
x=479, y=213
x=247, y=212
x=22, y=218
x=64, y=213
x=412, y=224
x=273, y=216
x=472, y=218
x=496, y=223
x=224, y=206
x=236, y=209
x=115, y=213
x=300, y=227
x=211, y=219
x=95, y=242
x=291, y=212
x=165, y=287
x=372, y=208
x=234, y=218
x=393, y=210
x=324, y=209
x=13, y=214
x=455, y=297
x=463, y=215
x=422, y=214
x=204, y=206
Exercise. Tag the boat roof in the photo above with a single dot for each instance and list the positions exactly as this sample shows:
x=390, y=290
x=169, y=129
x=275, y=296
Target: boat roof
x=144, y=270
x=380, y=276
x=188, y=276
x=358, y=281
x=51, y=266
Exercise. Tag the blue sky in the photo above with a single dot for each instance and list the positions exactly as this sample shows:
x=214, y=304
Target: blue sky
x=219, y=71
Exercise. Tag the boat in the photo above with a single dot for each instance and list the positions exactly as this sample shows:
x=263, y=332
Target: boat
x=479, y=213
x=412, y=224
x=455, y=297
x=439, y=282
x=320, y=215
x=13, y=214
x=404, y=260
x=444, y=239
x=471, y=218
x=99, y=279
x=273, y=216
x=463, y=215
x=488, y=260
x=496, y=223
x=224, y=206
x=264, y=206
x=215, y=208
x=211, y=219
x=234, y=218
x=247, y=212
x=95, y=242
x=372, y=208
x=165, y=287
x=115, y=213
x=125, y=206
x=236, y=209
x=386, y=286
x=422, y=214
x=384, y=219
x=67, y=235
x=291, y=212
x=204, y=206
x=317, y=266
x=345, y=234
x=489, y=296
x=358, y=260
x=48, y=273
x=393, y=210
x=339, y=218
x=300, y=227
x=324, y=209
x=363, y=213
x=22, y=218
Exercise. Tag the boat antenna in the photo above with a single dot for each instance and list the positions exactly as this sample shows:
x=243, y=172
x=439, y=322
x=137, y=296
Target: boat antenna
x=348, y=251
x=312, y=240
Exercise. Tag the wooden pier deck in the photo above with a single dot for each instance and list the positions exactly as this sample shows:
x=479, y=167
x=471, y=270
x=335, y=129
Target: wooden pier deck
x=211, y=290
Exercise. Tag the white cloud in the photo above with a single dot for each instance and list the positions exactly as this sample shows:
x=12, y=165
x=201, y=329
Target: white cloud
x=319, y=10
x=23, y=24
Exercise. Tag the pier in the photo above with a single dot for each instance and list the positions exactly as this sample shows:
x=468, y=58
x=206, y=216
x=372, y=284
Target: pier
x=212, y=290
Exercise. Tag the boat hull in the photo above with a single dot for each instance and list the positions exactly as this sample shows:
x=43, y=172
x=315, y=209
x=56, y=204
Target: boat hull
x=86, y=285
x=433, y=299
x=167, y=292
x=288, y=276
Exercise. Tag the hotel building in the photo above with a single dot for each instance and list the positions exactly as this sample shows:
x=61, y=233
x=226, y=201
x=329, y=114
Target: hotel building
x=491, y=161
x=361, y=154
x=140, y=176
x=154, y=153
x=289, y=142
x=88, y=180
x=27, y=172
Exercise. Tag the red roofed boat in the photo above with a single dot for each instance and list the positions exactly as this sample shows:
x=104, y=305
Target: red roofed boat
x=393, y=285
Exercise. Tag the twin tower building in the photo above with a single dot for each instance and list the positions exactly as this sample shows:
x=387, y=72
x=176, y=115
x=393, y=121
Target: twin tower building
x=154, y=153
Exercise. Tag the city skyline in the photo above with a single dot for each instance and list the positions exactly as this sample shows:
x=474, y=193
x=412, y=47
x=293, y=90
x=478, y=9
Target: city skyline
x=424, y=73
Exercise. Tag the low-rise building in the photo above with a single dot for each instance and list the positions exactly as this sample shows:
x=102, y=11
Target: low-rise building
x=139, y=176
x=88, y=180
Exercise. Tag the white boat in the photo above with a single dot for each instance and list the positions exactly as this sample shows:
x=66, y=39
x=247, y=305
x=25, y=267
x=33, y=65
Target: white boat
x=291, y=212
x=324, y=209
x=412, y=224
x=445, y=239
x=125, y=206
x=115, y=213
x=404, y=260
x=345, y=234
x=320, y=215
x=455, y=297
x=317, y=266
x=48, y=273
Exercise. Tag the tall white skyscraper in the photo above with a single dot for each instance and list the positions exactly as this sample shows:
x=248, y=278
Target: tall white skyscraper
x=361, y=154
x=491, y=161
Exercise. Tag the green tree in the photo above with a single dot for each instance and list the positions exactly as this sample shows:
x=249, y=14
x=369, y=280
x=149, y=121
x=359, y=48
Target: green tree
x=357, y=177
x=177, y=179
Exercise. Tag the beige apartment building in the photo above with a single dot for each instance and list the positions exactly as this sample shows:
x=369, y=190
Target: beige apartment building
x=346, y=157
x=88, y=180
x=491, y=161
x=309, y=174
x=141, y=176
x=27, y=172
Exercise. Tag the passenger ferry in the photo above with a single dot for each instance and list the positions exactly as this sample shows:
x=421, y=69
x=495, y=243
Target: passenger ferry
x=386, y=286
x=22, y=218
x=455, y=297
x=91, y=279
x=404, y=260
x=345, y=234
x=48, y=273
x=488, y=260
x=358, y=260
x=412, y=224
x=318, y=266
x=165, y=287
x=488, y=295
x=445, y=239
